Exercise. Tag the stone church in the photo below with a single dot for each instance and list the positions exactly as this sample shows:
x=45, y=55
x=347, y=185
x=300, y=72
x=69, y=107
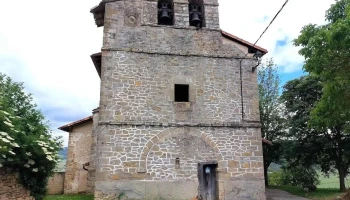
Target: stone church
x=179, y=111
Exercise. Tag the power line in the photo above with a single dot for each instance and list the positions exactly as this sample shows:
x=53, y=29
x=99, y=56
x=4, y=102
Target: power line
x=285, y=3
x=240, y=63
x=271, y=22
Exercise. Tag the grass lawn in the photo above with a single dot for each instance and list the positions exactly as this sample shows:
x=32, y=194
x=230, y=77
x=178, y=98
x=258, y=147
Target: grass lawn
x=69, y=197
x=331, y=182
x=319, y=194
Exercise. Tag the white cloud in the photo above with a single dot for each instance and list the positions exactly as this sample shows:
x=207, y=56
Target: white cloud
x=47, y=45
x=245, y=19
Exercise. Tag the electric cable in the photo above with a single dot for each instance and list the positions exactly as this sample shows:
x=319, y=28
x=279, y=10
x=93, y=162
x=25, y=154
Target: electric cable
x=240, y=62
x=285, y=3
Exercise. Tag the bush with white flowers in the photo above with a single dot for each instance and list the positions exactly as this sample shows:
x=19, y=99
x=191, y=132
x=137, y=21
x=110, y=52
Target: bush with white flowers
x=26, y=144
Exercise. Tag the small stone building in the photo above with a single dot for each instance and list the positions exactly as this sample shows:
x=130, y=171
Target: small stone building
x=79, y=153
x=179, y=111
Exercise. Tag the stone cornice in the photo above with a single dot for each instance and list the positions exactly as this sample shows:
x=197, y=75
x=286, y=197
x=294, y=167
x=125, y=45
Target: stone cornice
x=174, y=54
x=213, y=125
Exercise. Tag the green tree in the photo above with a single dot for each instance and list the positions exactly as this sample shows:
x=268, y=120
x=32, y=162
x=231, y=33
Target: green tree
x=270, y=113
x=326, y=50
x=308, y=146
x=26, y=144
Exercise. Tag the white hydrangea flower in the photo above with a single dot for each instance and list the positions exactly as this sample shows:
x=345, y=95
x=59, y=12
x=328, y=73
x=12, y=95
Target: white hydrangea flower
x=26, y=165
x=8, y=124
x=35, y=170
x=51, y=148
x=4, y=156
x=31, y=162
x=29, y=154
x=5, y=140
x=49, y=158
x=8, y=120
x=41, y=136
x=10, y=138
x=6, y=113
x=15, y=144
x=11, y=152
x=3, y=133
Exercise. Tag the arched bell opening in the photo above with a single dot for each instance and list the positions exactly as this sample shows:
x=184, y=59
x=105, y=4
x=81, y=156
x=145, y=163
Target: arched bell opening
x=196, y=9
x=165, y=12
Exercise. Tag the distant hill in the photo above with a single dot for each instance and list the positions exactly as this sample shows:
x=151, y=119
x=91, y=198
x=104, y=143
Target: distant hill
x=63, y=153
x=274, y=167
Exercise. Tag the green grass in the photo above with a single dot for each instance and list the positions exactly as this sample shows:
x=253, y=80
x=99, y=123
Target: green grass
x=331, y=182
x=69, y=197
x=319, y=194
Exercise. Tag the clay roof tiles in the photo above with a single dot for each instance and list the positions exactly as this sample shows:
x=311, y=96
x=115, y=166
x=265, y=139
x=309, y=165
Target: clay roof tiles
x=68, y=127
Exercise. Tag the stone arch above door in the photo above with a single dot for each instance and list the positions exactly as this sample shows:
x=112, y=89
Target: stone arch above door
x=191, y=132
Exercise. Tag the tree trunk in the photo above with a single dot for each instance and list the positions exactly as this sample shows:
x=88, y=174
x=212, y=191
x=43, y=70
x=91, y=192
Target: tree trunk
x=266, y=166
x=342, y=180
x=341, y=171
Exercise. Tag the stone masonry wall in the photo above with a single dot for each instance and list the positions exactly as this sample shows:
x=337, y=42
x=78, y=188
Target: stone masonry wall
x=146, y=153
x=79, y=153
x=93, y=161
x=56, y=183
x=139, y=87
x=10, y=188
x=142, y=131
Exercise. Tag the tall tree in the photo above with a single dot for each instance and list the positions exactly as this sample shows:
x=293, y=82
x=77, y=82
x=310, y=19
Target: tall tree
x=326, y=51
x=270, y=113
x=26, y=144
x=307, y=145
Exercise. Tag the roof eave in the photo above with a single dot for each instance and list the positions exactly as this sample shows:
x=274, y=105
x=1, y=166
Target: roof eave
x=244, y=42
x=97, y=60
x=68, y=127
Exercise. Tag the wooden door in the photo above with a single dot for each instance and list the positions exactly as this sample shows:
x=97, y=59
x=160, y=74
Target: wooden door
x=207, y=181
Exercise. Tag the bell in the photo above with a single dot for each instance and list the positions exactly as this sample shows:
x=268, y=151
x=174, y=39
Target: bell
x=195, y=18
x=164, y=12
x=195, y=15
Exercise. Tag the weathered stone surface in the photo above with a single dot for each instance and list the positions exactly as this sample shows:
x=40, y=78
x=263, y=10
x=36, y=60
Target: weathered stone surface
x=147, y=190
x=79, y=153
x=141, y=130
x=10, y=188
x=242, y=189
x=55, y=184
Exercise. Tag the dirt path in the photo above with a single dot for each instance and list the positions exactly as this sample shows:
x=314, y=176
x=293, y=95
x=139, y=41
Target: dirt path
x=274, y=194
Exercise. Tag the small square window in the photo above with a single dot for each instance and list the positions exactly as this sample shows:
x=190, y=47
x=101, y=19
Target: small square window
x=181, y=93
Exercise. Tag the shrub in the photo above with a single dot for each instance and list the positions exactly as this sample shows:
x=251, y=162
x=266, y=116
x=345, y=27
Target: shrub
x=295, y=176
x=26, y=144
x=275, y=178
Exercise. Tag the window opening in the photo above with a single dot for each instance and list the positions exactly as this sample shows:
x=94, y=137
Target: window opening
x=177, y=163
x=165, y=12
x=181, y=93
x=196, y=9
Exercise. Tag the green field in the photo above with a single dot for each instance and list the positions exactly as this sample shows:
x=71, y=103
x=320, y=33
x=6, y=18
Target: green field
x=331, y=182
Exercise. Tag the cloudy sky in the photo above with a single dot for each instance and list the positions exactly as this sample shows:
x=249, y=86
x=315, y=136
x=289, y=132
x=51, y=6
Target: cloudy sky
x=46, y=44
